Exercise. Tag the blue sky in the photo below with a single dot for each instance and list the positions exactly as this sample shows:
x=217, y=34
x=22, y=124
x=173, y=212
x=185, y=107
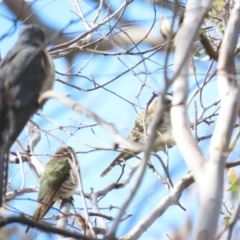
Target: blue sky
x=111, y=108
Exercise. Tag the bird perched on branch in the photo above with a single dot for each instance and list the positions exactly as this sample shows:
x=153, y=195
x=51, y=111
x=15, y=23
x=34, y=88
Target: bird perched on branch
x=59, y=180
x=26, y=72
x=137, y=133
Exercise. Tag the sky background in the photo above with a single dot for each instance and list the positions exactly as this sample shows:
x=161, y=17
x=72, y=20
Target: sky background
x=108, y=105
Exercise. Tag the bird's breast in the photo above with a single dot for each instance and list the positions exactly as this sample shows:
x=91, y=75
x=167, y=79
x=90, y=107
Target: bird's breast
x=69, y=185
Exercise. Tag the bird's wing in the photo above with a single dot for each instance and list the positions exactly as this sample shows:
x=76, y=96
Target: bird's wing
x=51, y=181
x=8, y=72
x=22, y=75
x=134, y=136
x=20, y=88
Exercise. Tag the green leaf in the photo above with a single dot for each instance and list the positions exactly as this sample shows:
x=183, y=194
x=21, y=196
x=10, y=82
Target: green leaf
x=227, y=220
x=199, y=52
x=234, y=188
x=220, y=4
x=233, y=179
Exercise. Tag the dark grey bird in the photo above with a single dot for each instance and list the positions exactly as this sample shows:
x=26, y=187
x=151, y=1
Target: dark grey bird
x=59, y=180
x=26, y=72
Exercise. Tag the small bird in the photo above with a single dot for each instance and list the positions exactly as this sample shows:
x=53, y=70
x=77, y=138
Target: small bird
x=26, y=72
x=59, y=180
x=165, y=28
x=137, y=133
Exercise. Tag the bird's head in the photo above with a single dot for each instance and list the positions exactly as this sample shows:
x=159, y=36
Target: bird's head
x=33, y=35
x=64, y=151
x=154, y=102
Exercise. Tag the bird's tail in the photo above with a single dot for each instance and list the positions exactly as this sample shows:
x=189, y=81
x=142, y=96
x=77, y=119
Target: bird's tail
x=109, y=168
x=36, y=216
x=122, y=157
x=4, y=144
x=3, y=175
x=40, y=212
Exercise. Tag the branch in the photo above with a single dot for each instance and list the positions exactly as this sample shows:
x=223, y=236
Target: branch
x=44, y=227
x=118, y=139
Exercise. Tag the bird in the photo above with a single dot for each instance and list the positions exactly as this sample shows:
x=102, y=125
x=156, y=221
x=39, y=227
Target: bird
x=137, y=132
x=59, y=180
x=26, y=72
